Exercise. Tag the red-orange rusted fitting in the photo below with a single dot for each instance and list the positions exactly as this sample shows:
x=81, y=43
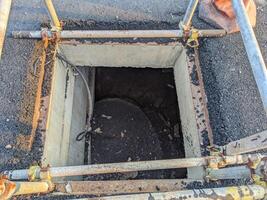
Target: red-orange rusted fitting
x=7, y=189
x=221, y=14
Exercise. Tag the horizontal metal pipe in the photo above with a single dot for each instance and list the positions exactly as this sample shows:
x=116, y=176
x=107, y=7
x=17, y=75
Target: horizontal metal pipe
x=90, y=34
x=110, y=168
x=236, y=192
x=240, y=172
x=253, y=50
x=211, y=33
x=5, y=6
x=122, y=186
x=124, y=34
x=26, y=188
x=255, y=142
x=135, y=166
x=9, y=189
x=127, y=167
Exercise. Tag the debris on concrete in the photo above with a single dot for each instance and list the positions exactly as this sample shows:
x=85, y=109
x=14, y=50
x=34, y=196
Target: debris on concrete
x=106, y=116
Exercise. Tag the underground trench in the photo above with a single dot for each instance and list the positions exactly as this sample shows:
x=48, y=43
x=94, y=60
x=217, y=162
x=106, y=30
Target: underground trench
x=145, y=107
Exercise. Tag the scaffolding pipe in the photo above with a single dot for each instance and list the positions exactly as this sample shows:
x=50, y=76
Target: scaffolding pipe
x=5, y=6
x=236, y=192
x=255, y=142
x=211, y=161
x=91, y=34
x=253, y=51
x=123, y=186
x=53, y=14
x=239, y=172
x=186, y=23
x=26, y=188
x=9, y=189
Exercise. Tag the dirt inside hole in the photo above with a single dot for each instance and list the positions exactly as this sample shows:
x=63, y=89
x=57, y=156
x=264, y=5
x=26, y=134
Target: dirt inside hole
x=136, y=117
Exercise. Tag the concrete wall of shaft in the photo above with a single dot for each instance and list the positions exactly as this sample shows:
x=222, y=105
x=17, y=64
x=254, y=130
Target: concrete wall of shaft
x=253, y=50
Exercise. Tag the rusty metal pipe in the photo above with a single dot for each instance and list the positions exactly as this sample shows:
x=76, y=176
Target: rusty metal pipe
x=211, y=161
x=5, y=6
x=236, y=192
x=53, y=14
x=90, y=34
x=110, y=168
x=122, y=186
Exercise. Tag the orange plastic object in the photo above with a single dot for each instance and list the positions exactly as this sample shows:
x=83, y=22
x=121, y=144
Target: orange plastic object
x=225, y=6
x=7, y=189
x=221, y=14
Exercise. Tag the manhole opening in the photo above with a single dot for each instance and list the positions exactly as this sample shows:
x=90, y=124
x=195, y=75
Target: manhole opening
x=136, y=117
x=136, y=90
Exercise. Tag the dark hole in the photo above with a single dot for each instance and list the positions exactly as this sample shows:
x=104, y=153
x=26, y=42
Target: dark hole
x=136, y=118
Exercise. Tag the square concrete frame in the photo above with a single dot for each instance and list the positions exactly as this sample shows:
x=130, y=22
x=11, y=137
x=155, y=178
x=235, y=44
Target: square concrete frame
x=67, y=100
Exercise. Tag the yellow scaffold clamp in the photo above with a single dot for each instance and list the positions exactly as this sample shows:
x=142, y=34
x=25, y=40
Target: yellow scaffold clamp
x=259, y=180
x=217, y=162
x=215, y=150
x=37, y=173
x=193, y=38
x=259, y=171
x=32, y=172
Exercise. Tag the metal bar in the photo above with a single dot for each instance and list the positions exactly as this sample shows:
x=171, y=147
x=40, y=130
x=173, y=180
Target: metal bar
x=186, y=23
x=212, y=161
x=249, y=144
x=240, y=172
x=111, y=168
x=53, y=14
x=115, y=34
x=211, y=33
x=255, y=167
x=236, y=192
x=25, y=188
x=9, y=189
x=122, y=186
x=5, y=6
x=253, y=51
